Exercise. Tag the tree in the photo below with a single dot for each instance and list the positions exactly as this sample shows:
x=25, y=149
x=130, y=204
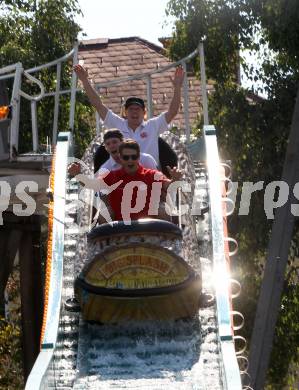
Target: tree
x=36, y=32
x=252, y=132
x=10, y=343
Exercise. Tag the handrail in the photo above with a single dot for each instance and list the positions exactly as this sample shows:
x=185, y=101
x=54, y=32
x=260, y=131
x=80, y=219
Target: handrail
x=48, y=342
x=109, y=83
x=9, y=68
x=230, y=367
x=36, y=81
x=139, y=76
x=18, y=93
x=51, y=63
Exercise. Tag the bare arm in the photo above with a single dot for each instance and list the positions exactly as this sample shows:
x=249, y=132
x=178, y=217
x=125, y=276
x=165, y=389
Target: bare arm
x=176, y=99
x=92, y=94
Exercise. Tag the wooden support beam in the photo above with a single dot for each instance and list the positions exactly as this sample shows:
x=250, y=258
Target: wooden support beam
x=23, y=235
x=31, y=297
x=278, y=250
x=11, y=221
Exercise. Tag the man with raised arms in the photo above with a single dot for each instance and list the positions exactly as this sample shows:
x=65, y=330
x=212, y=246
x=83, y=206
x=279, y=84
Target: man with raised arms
x=146, y=133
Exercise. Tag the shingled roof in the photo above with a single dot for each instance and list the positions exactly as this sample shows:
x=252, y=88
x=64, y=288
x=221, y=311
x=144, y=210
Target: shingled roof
x=109, y=59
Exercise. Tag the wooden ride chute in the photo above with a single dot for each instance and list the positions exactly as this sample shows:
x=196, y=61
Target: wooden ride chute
x=135, y=272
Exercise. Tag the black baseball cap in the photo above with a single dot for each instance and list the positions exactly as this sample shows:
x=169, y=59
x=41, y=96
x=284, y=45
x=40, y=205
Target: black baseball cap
x=134, y=100
x=113, y=133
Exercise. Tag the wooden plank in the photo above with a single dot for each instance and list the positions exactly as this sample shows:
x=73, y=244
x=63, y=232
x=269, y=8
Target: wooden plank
x=11, y=220
x=272, y=284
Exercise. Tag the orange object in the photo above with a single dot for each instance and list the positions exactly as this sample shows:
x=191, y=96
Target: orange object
x=49, y=251
x=4, y=112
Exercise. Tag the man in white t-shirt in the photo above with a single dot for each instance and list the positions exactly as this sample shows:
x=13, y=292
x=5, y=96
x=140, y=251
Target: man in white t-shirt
x=146, y=133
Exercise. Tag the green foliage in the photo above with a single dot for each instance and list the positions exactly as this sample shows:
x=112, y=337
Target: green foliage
x=36, y=32
x=10, y=355
x=197, y=20
x=11, y=368
x=252, y=132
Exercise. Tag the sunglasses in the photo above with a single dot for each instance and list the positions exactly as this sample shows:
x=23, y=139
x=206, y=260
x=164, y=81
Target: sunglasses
x=127, y=157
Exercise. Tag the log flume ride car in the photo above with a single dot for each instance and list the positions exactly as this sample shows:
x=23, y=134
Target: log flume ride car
x=134, y=278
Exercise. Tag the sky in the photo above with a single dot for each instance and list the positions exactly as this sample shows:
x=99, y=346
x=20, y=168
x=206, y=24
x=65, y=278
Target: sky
x=125, y=18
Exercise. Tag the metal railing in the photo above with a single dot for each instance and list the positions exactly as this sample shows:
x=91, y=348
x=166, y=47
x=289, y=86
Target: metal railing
x=230, y=368
x=17, y=71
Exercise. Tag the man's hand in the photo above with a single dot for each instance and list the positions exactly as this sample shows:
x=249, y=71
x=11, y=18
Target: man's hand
x=175, y=173
x=81, y=72
x=177, y=82
x=74, y=169
x=92, y=94
x=178, y=79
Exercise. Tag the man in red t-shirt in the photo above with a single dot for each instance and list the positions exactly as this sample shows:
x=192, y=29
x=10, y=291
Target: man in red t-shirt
x=141, y=190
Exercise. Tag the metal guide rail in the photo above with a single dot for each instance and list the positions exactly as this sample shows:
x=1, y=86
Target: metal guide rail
x=60, y=339
x=231, y=373
x=43, y=373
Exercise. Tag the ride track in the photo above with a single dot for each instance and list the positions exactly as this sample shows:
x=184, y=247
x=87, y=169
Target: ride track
x=198, y=353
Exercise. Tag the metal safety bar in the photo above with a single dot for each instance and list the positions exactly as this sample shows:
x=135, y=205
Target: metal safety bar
x=230, y=368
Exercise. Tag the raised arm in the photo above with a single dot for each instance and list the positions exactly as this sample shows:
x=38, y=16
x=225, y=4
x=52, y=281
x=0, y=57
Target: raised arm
x=93, y=96
x=176, y=99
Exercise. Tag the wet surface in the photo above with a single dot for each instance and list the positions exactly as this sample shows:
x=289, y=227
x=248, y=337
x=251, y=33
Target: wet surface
x=180, y=354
